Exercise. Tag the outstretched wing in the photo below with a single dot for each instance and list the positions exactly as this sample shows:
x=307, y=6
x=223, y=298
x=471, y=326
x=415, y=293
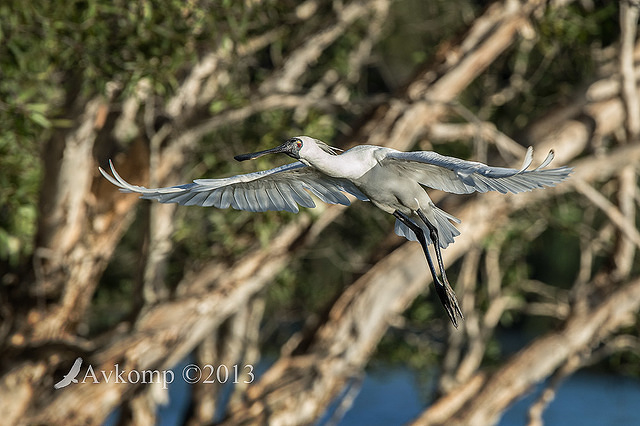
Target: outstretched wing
x=464, y=177
x=282, y=188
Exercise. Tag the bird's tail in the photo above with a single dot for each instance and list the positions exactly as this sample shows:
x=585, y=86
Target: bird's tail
x=446, y=230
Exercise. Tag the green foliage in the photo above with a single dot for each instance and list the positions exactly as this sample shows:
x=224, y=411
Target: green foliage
x=52, y=53
x=414, y=31
x=539, y=74
x=625, y=362
x=19, y=182
x=420, y=342
x=54, y=50
x=113, y=302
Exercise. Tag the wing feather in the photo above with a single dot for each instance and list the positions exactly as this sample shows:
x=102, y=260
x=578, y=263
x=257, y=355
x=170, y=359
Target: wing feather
x=226, y=198
x=301, y=196
x=263, y=200
x=212, y=199
x=252, y=199
x=197, y=200
x=240, y=200
x=281, y=188
x=464, y=177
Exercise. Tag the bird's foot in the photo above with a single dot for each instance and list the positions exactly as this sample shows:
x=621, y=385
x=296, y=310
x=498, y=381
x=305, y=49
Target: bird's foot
x=449, y=301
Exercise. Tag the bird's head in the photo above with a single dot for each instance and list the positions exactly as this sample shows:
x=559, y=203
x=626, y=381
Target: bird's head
x=299, y=147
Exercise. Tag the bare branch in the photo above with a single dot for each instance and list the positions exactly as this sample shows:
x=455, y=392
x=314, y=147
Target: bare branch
x=288, y=79
x=544, y=355
x=627, y=194
x=549, y=392
x=629, y=11
x=609, y=209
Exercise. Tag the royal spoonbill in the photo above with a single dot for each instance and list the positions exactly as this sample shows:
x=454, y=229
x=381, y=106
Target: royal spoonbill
x=392, y=180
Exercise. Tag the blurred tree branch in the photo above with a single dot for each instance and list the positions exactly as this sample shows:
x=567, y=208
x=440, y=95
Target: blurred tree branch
x=629, y=24
x=582, y=332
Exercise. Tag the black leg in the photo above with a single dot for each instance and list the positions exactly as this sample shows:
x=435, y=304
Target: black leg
x=433, y=233
x=421, y=238
x=446, y=293
x=444, y=290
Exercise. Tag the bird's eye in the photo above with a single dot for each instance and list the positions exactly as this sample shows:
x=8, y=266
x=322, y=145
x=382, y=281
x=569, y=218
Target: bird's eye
x=298, y=143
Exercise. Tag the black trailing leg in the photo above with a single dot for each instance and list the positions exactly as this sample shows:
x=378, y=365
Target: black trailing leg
x=443, y=289
x=445, y=292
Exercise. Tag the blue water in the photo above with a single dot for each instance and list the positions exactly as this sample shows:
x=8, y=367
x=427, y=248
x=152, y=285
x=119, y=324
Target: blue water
x=587, y=399
x=392, y=396
x=387, y=397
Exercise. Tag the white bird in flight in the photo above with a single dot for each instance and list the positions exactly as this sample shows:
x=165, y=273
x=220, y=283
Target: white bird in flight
x=392, y=180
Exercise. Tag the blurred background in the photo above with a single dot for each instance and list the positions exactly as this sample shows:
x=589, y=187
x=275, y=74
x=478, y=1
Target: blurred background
x=332, y=309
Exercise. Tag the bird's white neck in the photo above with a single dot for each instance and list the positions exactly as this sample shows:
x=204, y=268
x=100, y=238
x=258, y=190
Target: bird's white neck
x=345, y=165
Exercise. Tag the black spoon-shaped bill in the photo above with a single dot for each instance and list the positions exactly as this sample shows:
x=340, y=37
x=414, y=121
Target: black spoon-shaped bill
x=289, y=147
